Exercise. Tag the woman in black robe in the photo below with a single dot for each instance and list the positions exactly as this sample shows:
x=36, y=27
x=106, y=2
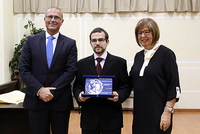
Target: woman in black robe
x=155, y=80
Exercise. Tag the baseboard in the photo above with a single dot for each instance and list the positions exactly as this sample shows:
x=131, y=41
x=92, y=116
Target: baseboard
x=124, y=109
x=175, y=110
x=127, y=109
x=186, y=110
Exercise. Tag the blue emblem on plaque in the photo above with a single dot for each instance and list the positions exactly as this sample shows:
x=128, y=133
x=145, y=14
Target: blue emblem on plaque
x=98, y=86
x=94, y=86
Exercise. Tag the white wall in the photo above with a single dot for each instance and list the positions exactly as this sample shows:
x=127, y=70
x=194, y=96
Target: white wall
x=179, y=31
x=6, y=38
x=1, y=44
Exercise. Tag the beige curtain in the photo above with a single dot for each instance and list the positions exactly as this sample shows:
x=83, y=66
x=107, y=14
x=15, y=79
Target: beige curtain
x=41, y=6
x=67, y=6
x=156, y=5
x=195, y=5
x=139, y=5
x=31, y=6
x=18, y=6
x=106, y=6
x=123, y=5
x=87, y=5
x=169, y=5
x=183, y=5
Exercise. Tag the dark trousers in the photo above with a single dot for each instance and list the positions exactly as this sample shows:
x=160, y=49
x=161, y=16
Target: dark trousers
x=42, y=120
x=100, y=131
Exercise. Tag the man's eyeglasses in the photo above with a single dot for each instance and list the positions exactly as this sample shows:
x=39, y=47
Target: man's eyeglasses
x=51, y=17
x=146, y=32
x=100, y=40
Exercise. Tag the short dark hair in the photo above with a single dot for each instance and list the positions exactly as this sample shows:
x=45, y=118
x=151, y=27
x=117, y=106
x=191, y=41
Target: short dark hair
x=99, y=30
x=153, y=26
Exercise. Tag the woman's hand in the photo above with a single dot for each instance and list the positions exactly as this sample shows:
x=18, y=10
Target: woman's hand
x=165, y=120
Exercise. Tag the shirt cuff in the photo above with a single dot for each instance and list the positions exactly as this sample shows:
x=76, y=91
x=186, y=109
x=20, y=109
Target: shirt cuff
x=38, y=93
x=79, y=96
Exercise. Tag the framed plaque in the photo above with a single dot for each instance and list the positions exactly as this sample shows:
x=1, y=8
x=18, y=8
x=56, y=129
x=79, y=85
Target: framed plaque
x=98, y=86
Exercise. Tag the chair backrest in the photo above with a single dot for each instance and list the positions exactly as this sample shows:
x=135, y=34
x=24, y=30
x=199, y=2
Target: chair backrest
x=9, y=86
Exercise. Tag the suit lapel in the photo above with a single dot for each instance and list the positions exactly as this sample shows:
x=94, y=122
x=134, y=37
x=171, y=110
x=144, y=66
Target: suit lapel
x=42, y=44
x=91, y=65
x=107, y=65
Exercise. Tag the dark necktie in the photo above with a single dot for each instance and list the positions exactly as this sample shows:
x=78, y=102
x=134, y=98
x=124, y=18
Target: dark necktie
x=49, y=50
x=98, y=66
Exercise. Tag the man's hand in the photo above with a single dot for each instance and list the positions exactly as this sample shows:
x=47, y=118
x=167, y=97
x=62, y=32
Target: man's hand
x=116, y=97
x=45, y=94
x=82, y=98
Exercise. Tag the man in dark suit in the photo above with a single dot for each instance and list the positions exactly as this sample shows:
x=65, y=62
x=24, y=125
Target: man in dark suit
x=102, y=115
x=48, y=94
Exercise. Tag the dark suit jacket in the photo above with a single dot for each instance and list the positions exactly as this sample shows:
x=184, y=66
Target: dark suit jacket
x=35, y=73
x=106, y=113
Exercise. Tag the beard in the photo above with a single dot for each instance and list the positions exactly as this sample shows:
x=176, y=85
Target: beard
x=99, y=50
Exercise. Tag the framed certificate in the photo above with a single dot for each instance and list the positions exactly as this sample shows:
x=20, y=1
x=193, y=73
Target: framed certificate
x=98, y=86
